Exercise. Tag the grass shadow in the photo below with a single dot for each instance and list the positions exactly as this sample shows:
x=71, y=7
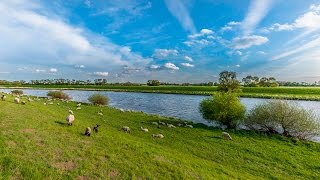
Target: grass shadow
x=61, y=123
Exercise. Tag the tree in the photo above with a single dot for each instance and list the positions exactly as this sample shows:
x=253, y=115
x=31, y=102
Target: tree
x=153, y=83
x=224, y=107
x=251, y=81
x=228, y=82
x=210, y=83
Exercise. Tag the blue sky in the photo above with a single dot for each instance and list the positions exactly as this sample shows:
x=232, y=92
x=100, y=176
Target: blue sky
x=169, y=40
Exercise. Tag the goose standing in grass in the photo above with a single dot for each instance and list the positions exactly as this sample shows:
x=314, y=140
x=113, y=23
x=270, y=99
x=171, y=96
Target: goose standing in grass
x=70, y=118
x=87, y=131
x=126, y=129
x=95, y=129
x=17, y=100
x=144, y=129
x=188, y=126
x=155, y=123
x=226, y=136
x=3, y=97
x=158, y=136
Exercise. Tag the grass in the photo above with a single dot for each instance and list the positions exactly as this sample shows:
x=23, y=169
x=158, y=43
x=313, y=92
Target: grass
x=36, y=143
x=296, y=93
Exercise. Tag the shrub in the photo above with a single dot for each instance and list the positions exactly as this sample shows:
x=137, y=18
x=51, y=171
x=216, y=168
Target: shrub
x=17, y=92
x=58, y=95
x=98, y=99
x=223, y=107
x=283, y=117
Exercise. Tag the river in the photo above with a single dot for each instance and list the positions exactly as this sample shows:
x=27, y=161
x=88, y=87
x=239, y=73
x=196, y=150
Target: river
x=172, y=105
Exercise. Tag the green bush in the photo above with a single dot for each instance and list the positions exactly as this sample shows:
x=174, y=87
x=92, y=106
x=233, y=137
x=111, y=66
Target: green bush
x=17, y=92
x=283, y=117
x=224, y=107
x=98, y=99
x=58, y=95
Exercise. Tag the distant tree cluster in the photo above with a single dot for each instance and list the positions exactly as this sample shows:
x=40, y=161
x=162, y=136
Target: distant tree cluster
x=153, y=83
x=255, y=81
x=287, y=83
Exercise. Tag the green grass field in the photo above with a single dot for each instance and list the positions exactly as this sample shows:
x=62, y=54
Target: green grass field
x=298, y=93
x=36, y=143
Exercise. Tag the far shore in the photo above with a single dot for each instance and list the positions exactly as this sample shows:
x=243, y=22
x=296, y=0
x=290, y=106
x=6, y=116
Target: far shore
x=287, y=93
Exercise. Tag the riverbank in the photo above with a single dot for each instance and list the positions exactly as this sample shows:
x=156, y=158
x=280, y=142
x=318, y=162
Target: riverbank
x=289, y=93
x=36, y=143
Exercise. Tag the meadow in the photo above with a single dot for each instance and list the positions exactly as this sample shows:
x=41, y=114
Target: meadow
x=36, y=143
x=296, y=93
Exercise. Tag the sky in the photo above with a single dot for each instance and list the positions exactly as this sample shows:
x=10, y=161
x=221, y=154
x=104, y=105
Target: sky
x=169, y=40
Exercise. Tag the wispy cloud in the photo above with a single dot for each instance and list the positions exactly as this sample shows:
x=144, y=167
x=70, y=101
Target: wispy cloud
x=307, y=46
x=258, y=9
x=48, y=40
x=188, y=58
x=309, y=22
x=248, y=41
x=103, y=74
x=163, y=53
x=179, y=10
x=187, y=65
x=200, y=39
x=121, y=12
x=171, y=66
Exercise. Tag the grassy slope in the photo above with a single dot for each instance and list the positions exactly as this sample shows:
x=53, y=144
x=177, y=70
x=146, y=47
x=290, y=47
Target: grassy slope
x=303, y=93
x=35, y=143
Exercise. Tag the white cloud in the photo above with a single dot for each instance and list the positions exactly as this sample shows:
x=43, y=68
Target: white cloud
x=179, y=10
x=187, y=65
x=40, y=70
x=154, y=67
x=87, y=3
x=171, y=66
x=248, y=41
x=163, y=53
x=238, y=65
x=281, y=27
x=230, y=26
x=200, y=39
x=4, y=72
x=198, y=43
x=258, y=9
x=206, y=31
x=239, y=53
x=233, y=23
x=53, y=70
x=101, y=74
x=261, y=53
x=202, y=33
x=44, y=38
x=188, y=58
x=309, y=21
x=81, y=66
